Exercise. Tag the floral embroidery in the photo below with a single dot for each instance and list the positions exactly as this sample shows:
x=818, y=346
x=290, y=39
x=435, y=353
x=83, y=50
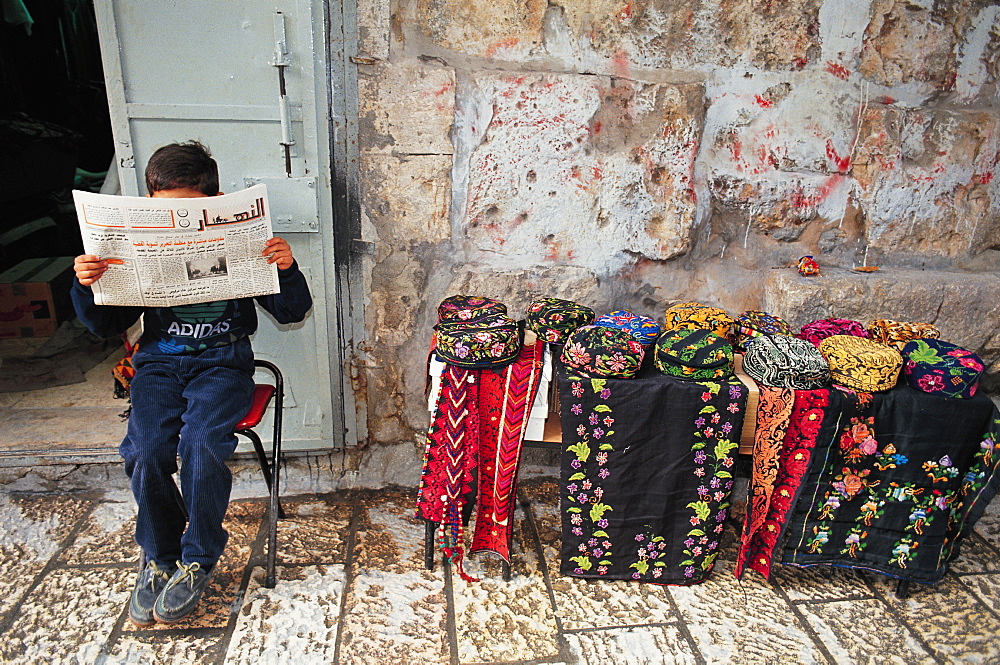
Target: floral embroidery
x=714, y=459
x=590, y=509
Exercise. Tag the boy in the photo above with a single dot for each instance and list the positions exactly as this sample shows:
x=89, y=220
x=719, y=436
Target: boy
x=187, y=395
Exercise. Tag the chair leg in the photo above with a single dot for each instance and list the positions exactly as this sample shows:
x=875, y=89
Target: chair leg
x=265, y=466
x=274, y=512
x=430, y=528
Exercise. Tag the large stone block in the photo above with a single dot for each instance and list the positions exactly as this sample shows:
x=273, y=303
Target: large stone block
x=778, y=149
x=407, y=198
x=964, y=306
x=501, y=29
x=577, y=170
x=927, y=180
x=918, y=42
x=406, y=108
x=770, y=34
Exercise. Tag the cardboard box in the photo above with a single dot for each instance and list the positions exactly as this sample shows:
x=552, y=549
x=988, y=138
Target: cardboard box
x=34, y=297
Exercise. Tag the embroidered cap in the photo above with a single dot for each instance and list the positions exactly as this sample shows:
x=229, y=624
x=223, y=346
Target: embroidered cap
x=861, y=364
x=489, y=341
x=553, y=319
x=754, y=323
x=601, y=351
x=696, y=354
x=816, y=331
x=692, y=315
x=785, y=362
x=643, y=328
x=941, y=368
x=466, y=308
x=898, y=333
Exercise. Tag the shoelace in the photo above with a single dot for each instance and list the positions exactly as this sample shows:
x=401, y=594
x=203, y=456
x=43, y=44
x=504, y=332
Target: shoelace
x=188, y=573
x=156, y=571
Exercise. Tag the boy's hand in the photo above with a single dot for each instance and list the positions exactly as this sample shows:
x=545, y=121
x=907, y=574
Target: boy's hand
x=89, y=268
x=277, y=251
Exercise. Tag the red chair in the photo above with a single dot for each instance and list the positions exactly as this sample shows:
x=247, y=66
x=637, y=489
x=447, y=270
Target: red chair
x=262, y=395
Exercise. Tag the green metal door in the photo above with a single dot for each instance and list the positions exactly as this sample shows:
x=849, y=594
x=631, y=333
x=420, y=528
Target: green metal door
x=215, y=71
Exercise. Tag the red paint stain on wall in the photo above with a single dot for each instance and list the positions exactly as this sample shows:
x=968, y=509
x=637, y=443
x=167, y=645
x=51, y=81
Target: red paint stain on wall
x=802, y=200
x=501, y=45
x=626, y=12
x=842, y=163
x=838, y=70
x=763, y=103
x=622, y=64
x=983, y=178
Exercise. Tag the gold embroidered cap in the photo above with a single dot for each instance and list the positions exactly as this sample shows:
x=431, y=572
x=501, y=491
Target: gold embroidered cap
x=898, y=333
x=861, y=364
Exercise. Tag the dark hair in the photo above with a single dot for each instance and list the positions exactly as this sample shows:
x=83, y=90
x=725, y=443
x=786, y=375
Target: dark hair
x=181, y=165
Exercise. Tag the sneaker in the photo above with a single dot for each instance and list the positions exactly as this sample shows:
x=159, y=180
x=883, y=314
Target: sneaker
x=181, y=594
x=147, y=589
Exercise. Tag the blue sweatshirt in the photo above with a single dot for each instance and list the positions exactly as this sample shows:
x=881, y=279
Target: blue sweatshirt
x=194, y=328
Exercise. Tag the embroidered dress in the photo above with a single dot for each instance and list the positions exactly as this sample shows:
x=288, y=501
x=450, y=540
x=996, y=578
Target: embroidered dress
x=473, y=448
x=905, y=477
x=646, y=474
x=813, y=419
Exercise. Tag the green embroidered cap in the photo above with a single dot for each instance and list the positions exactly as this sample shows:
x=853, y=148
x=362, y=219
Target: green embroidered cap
x=694, y=353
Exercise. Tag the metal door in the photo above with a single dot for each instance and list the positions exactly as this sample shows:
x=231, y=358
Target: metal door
x=215, y=71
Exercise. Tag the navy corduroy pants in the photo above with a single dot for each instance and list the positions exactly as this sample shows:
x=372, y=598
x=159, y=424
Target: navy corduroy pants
x=185, y=406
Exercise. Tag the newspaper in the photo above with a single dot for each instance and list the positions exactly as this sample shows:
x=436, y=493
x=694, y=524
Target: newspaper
x=166, y=252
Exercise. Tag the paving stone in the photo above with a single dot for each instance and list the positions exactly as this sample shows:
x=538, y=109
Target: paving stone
x=505, y=621
x=985, y=587
x=170, y=649
x=395, y=610
x=396, y=618
x=988, y=527
x=742, y=622
x=107, y=537
x=32, y=529
x=639, y=646
x=391, y=538
x=975, y=556
x=296, y=621
x=67, y=618
x=949, y=618
x=313, y=532
x=855, y=631
x=819, y=583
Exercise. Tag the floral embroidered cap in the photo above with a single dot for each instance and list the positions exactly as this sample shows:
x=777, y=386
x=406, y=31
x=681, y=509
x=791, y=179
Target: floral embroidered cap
x=643, y=328
x=754, y=323
x=941, y=368
x=785, y=362
x=861, y=364
x=493, y=340
x=697, y=316
x=600, y=351
x=696, y=354
x=466, y=308
x=553, y=319
x=898, y=333
x=816, y=331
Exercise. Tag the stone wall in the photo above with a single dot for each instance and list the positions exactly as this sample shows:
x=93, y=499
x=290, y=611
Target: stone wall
x=637, y=153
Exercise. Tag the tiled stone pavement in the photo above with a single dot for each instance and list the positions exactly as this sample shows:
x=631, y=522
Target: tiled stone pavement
x=352, y=589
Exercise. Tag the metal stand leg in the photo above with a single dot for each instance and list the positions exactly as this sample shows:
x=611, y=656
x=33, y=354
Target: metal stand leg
x=430, y=528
